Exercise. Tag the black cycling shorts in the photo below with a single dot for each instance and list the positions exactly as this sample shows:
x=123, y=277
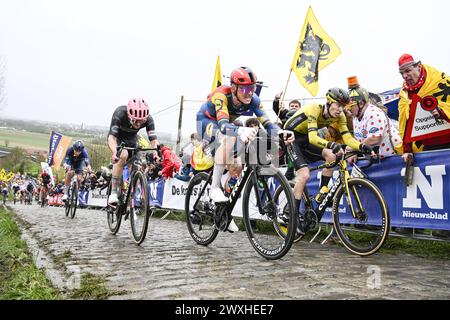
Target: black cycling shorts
x=301, y=152
x=130, y=142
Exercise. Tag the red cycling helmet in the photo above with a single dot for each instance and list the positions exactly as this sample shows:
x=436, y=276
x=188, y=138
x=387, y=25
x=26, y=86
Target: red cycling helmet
x=243, y=76
x=137, y=109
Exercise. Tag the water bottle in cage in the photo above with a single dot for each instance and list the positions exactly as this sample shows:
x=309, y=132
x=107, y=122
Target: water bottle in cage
x=230, y=185
x=321, y=195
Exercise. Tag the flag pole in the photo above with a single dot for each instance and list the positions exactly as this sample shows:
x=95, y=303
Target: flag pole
x=284, y=93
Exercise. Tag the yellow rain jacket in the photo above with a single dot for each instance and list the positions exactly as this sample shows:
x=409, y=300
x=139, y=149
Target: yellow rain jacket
x=437, y=83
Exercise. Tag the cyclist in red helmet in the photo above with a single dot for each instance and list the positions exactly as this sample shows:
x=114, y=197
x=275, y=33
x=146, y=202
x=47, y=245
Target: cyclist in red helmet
x=125, y=124
x=215, y=122
x=45, y=182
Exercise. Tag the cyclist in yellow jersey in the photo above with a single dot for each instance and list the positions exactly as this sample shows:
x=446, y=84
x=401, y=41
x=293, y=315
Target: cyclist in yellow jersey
x=308, y=147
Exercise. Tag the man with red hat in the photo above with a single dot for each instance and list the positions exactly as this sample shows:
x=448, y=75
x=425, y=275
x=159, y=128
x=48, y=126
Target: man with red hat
x=427, y=88
x=425, y=92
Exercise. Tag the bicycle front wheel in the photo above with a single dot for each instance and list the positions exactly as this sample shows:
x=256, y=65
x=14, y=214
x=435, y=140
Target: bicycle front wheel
x=263, y=214
x=74, y=201
x=364, y=231
x=199, y=210
x=138, y=205
x=67, y=204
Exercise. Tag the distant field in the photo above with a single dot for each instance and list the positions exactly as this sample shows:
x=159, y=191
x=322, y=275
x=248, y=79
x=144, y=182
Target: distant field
x=29, y=140
x=26, y=140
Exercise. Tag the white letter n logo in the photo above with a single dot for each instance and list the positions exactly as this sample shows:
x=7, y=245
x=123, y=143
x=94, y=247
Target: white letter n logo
x=432, y=193
x=154, y=190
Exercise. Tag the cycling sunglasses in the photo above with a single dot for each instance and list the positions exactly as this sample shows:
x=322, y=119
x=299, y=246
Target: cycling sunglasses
x=247, y=89
x=133, y=121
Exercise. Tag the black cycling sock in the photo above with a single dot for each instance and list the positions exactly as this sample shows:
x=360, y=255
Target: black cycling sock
x=297, y=204
x=324, y=181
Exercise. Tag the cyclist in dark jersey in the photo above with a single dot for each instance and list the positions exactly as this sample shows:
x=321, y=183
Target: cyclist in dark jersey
x=45, y=181
x=125, y=124
x=76, y=156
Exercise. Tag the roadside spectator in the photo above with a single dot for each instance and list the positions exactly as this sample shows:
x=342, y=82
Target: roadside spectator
x=188, y=149
x=372, y=126
x=430, y=86
x=154, y=167
x=185, y=173
x=422, y=81
x=280, y=110
x=284, y=114
x=201, y=160
x=170, y=163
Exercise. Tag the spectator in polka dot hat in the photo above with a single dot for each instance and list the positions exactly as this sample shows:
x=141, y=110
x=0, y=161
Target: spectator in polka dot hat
x=371, y=125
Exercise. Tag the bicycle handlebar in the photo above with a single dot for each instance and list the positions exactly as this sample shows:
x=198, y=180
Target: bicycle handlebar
x=122, y=146
x=347, y=155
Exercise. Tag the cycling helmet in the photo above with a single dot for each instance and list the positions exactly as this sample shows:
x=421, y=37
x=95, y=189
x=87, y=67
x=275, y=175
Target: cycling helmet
x=78, y=146
x=44, y=174
x=137, y=109
x=243, y=76
x=359, y=94
x=338, y=95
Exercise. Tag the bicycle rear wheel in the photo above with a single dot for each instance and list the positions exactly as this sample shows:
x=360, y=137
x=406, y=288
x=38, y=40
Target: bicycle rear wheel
x=263, y=216
x=199, y=210
x=138, y=205
x=74, y=200
x=280, y=198
x=364, y=234
x=113, y=214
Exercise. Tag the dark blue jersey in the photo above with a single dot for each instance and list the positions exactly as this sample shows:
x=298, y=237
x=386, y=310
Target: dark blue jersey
x=71, y=159
x=220, y=108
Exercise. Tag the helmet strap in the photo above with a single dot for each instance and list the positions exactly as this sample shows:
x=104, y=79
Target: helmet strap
x=360, y=109
x=236, y=94
x=327, y=109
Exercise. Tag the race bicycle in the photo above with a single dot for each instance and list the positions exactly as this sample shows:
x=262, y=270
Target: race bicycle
x=5, y=196
x=259, y=208
x=28, y=197
x=360, y=213
x=43, y=195
x=71, y=204
x=133, y=197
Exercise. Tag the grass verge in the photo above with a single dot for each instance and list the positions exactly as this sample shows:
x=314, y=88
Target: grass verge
x=93, y=288
x=19, y=277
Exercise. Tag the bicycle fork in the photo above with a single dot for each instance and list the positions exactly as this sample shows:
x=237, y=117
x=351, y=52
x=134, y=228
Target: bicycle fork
x=346, y=176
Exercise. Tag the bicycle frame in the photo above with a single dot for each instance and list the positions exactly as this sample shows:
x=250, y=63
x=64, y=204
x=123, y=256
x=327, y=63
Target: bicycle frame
x=344, y=176
x=247, y=170
x=132, y=168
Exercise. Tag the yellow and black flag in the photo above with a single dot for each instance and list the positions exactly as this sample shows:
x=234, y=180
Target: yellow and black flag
x=217, y=76
x=315, y=50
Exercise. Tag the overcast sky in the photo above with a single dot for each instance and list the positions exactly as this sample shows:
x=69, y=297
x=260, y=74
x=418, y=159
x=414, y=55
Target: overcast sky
x=75, y=61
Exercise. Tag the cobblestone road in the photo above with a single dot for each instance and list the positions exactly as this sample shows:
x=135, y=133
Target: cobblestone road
x=169, y=265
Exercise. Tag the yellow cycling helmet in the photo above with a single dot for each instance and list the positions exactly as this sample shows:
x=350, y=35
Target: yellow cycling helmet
x=359, y=94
